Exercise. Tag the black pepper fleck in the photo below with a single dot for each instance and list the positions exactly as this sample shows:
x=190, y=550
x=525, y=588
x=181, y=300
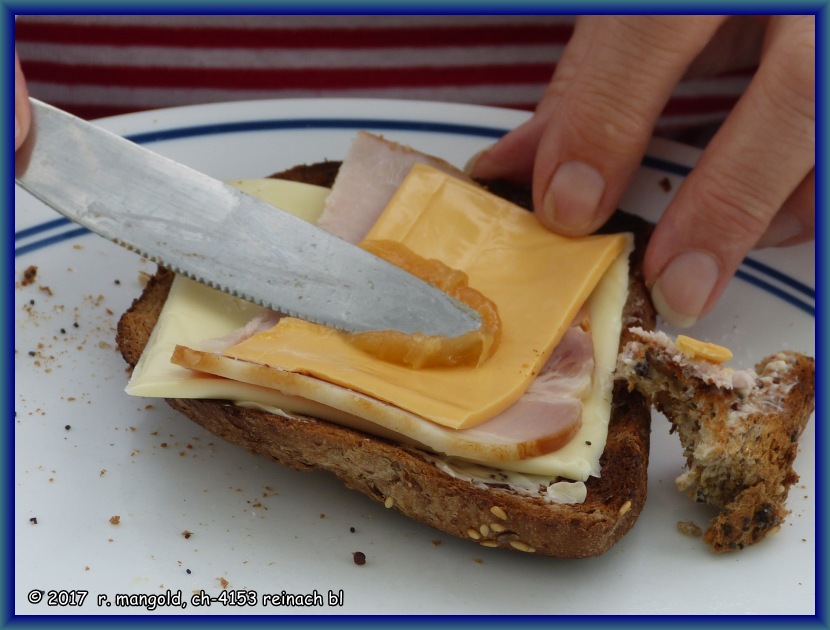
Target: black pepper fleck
x=117, y=281
x=33, y=520
x=68, y=426
x=63, y=331
x=187, y=571
x=588, y=442
x=352, y=530
x=359, y=558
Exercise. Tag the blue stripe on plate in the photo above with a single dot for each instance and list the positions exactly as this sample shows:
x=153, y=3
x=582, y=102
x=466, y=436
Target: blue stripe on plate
x=664, y=165
x=398, y=125
x=41, y=227
x=774, y=273
x=51, y=240
x=317, y=123
x=777, y=292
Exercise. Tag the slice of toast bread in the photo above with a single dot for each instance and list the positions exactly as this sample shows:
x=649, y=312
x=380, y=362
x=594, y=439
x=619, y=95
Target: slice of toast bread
x=739, y=429
x=492, y=514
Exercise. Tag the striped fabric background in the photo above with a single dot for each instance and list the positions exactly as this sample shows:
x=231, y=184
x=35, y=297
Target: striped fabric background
x=101, y=65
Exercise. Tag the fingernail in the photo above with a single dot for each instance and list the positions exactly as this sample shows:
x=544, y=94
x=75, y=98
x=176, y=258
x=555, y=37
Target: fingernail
x=682, y=290
x=573, y=197
x=783, y=227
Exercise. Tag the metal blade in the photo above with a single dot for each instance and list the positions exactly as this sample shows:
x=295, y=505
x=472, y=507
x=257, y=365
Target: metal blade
x=215, y=234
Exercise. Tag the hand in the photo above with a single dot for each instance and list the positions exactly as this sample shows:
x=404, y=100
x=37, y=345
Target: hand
x=22, y=114
x=754, y=184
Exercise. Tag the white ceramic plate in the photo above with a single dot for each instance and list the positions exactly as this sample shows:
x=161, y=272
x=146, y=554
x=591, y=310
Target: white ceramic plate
x=86, y=452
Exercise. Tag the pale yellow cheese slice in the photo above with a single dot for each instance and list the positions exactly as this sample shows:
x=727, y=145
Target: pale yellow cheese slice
x=538, y=280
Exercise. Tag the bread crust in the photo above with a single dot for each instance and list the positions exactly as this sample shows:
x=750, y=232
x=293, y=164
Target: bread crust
x=405, y=479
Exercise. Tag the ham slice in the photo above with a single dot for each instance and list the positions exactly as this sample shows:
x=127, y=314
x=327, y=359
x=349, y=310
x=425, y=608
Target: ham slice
x=262, y=322
x=549, y=413
x=541, y=421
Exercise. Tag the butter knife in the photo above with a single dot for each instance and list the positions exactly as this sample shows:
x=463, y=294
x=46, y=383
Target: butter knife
x=213, y=233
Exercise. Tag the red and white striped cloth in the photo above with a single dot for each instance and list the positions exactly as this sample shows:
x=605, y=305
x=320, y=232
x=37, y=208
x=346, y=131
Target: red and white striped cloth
x=98, y=65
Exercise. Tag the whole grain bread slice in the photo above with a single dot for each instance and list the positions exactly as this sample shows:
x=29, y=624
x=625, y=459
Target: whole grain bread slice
x=491, y=514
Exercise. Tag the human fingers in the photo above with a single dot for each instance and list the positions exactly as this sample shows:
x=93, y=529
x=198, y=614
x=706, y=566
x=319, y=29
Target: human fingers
x=22, y=114
x=759, y=161
x=605, y=116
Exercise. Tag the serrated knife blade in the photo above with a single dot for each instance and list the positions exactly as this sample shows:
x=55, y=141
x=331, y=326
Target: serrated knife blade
x=215, y=234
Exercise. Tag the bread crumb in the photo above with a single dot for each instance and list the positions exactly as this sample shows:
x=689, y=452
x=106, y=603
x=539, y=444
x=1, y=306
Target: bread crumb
x=187, y=534
x=223, y=582
x=115, y=520
x=689, y=529
x=29, y=275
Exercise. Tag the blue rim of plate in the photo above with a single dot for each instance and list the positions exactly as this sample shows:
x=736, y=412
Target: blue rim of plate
x=760, y=275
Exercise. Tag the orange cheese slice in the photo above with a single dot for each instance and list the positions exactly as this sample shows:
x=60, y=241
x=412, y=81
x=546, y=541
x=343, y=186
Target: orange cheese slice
x=537, y=279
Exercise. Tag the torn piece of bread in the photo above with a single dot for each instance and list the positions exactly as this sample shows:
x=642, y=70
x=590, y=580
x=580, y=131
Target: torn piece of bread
x=739, y=429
